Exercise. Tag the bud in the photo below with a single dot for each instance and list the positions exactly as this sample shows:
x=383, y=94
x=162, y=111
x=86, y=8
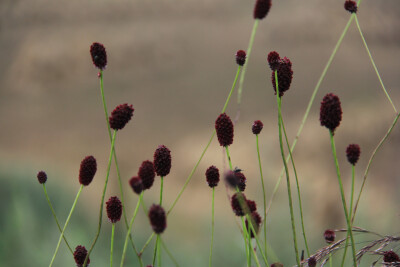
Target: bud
x=257, y=127
x=114, y=209
x=261, y=9
x=80, y=256
x=99, y=55
x=224, y=129
x=240, y=57
x=273, y=60
x=350, y=6
x=390, y=256
x=162, y=161
x=147, y=174
x=330, y=112
x=42, y=177
x=87, y=170
x=157, y=218
x=353, y=153
x=136, y=184
x=212, y=176
x=329, y=236
x=285, y=76
x=312, y=262
x=120, y=116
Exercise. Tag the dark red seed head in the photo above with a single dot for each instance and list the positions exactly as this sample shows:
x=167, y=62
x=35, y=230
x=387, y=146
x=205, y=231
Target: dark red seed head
x=390, y=256
x=42, y=177
x=224, y=128
x=350, y=6
x=251, y=205
x=257, y=127
x=241, y=181
x=239, y=204
x=87, y=170
x=114, y=209
x=80, y=254
x=212, y=176
x=147, y=174
x=285, y=76
x=136, y=184
x=331, y=112
x=353, y=152
x=329, y=236
x=236, y=179
x=255, y=221
x=240, y=57
x=312, y=262
x=157, y=217
x=99, y=55
x=162, y=161
x=120, y=116
x=273, y=60
x=261, y=9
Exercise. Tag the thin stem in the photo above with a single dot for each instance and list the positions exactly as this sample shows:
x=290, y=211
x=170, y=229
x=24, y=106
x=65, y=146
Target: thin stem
x=116, y=163
x=159, y=251
x=157, y=247
x=298, y=189
x=349, y=228
x=66, y=224
x=370, y=161
x=278, y=99
x=257, y=241
x=249, y=245
x=155, y=250
x=212, y=227
x=233, y=87
x=229, y=158
x=147, y=243
x=330, y=261
x=161, y=189
x=55, y=217
x=373, y=63
x=112, y=243
x=248, y=53
x=102, y=198
x=168, y=252
x=130, y=228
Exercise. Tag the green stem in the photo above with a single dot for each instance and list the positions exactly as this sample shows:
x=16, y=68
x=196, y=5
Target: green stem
x=155, y=250
x=55, y=217
x=130, y=228
x=248, y=53
x=249, y=245
x=147, y=243
x=264, y=195
x=102, y=199
x=112, y=243
x=159, y=251
x=161, y=189
x=65, y=225
x=278, y=99
x=157, y=247
x=349, y=228
x=330, y=261
x=257, y=241
x=373, y=63
x=212, y=227
x=116, y=163
x=229, y=158
x=298, y=189
x=168, y=252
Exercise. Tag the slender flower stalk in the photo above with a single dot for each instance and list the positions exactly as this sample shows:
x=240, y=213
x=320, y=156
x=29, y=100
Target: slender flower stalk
x=66, y=224
x=157, y=246
x=55, y=218
x=278, y=99
x=212, y=227
x=165, y=247
x=112, y=244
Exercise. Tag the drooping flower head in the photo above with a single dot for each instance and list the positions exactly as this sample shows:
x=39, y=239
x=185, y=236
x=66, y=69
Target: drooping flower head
x=240, y=57
x=255, y=221
x=390, y=256
x=350, y=6
x=136, y=184
x=273, y=60
x=114, y=209
x=42, y=177
x=329, y=236
x=157, y=217
x=162, y=161
x=261, y=9
x=99, y=55
x=212, y=176
x=80, y=254
x=147, y=174
x=257, y=127
x=331, y=112
x=224, y=129
x=120, y=116
x=87, y=170
x=285, y=76
x=353, y=152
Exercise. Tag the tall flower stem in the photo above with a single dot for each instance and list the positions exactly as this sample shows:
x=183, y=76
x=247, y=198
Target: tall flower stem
x=112, y=244
x=212, y=227
x=349, y=228
x=130, y=228
x=157, y=247
x=116, y=162
x=66, y=224
x=55, y=217
x=102, y=198
x=165, y=247
x=278, y=99
x=373, y=64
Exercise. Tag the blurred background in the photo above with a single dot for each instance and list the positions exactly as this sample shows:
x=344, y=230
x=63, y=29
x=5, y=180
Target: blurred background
x=174, y=61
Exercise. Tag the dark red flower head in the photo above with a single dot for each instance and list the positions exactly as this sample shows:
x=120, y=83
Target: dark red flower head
x=285, y=76
x=261, y=8
x=240, y=57
x=80, y=256
x=353, y=153
x=157, y=217
x=350, y=6
x=256, y=222
x=312, y=262
x=236, y=179
x=136, y=184
x=120, y=116
x=273, y=60
x=331, y=112
x=390, y=256
x=87, y=170
x=99, y=55
x=257, y=127
x=162, y=161
x=147, y=174
x=224, y=128
x=241, y=205
x=114, y=209
x=329, y=236
x=42, y=177
x=212, y=175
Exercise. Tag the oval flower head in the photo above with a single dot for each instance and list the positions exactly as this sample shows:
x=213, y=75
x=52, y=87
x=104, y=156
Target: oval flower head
x=224, y=129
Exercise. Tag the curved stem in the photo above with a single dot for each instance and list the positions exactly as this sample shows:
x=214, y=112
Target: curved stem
x=168, y=252
x=55, y=217
x=212, y=227
x=112, y=244
x=147, y=243
x=66, y=224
